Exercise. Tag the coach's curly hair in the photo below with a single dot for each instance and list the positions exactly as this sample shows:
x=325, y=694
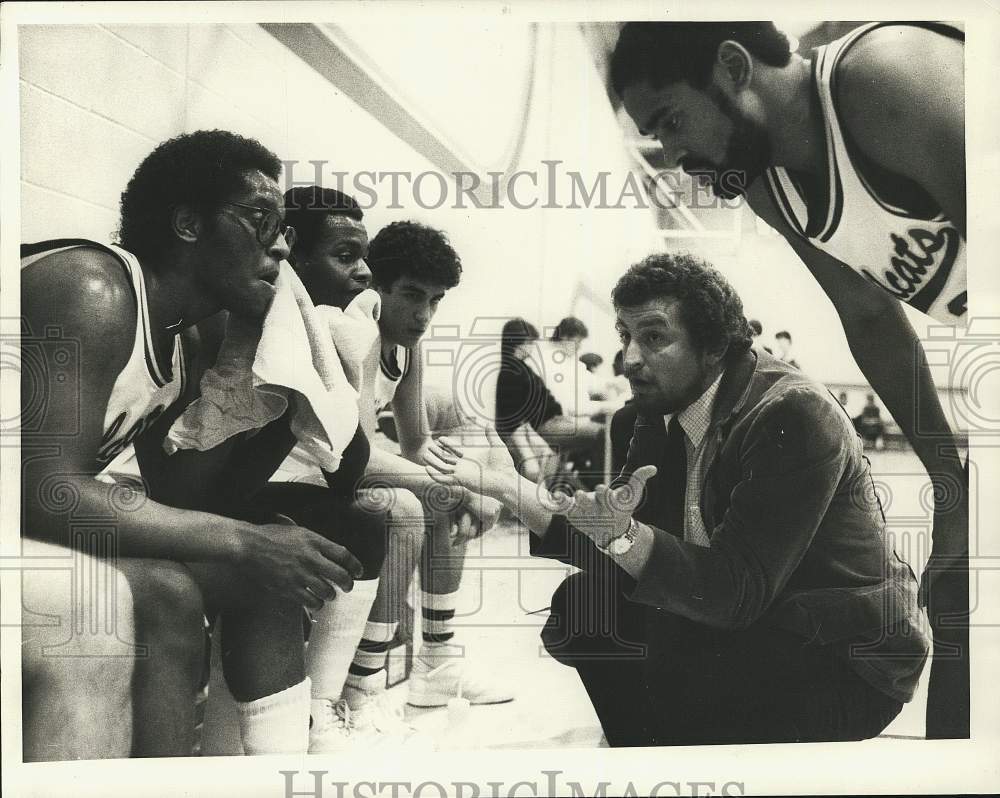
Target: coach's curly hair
x=711, y=309
x=411, y=249
x=200, y=169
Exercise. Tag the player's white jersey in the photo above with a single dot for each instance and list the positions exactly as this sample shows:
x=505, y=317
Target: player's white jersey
x=914, y=253
x=142, y=392
x=392, y=368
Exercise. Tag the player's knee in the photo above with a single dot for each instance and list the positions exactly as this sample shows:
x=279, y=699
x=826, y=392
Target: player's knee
x=406, y=506
x=407, y=524
x=367, y=535
x=169, y=612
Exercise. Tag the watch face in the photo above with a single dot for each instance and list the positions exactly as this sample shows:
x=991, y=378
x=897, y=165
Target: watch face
x=621, y=544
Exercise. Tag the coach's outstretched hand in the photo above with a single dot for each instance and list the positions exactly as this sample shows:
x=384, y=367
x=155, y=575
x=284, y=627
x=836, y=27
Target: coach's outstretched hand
x=605, y=513
x=297, y=563
x=487, y=470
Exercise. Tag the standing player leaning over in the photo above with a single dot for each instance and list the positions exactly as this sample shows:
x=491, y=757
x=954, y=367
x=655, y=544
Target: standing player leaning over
x=413, y=266
x=201, y=230
x=857, y=157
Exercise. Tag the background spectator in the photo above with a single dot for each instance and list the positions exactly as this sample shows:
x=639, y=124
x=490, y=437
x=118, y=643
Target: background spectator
x=783, y=344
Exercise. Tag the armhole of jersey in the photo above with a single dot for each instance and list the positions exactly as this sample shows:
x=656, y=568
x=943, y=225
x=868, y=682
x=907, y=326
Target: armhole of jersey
x=776, y=193
x=390, y=370
x=858, y=160
x=405, y=368
x=158, y=377
x=835, y=189
x=182, y=370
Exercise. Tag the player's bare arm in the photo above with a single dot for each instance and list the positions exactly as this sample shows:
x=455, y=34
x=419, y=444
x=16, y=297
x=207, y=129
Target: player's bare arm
x=87, y=299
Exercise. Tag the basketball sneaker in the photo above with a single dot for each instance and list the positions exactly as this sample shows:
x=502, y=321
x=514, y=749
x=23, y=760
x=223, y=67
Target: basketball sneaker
x=332, y=727
x=377, y=720
x=433, y=686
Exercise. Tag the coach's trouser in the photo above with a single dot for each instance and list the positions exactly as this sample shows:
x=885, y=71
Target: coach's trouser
x=656, y=678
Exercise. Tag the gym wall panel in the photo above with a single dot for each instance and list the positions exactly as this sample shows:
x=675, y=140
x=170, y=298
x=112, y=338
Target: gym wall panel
x=208, y=109
x=64, y=216
x=99, y=72
x=74, y=151
x=249, y=76
x=96, y=99
x=166, y=43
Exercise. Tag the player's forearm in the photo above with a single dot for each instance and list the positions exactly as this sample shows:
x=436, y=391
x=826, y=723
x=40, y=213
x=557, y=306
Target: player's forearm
x=399, y=472
x=531, y=503
x=141, y=526
x=892, y=359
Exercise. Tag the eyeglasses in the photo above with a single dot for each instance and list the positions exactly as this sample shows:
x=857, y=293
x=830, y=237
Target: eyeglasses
x=269, y=225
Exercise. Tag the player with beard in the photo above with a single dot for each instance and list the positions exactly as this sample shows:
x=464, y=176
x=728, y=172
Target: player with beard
x=856, y=156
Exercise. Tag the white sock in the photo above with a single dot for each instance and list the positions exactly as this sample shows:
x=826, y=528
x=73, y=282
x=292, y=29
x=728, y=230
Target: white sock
x=278, y=723
x=335, y=636
x=434, y=654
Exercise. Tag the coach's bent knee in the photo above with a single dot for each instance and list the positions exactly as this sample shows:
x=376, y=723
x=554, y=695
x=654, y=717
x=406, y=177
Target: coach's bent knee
x=590, y=618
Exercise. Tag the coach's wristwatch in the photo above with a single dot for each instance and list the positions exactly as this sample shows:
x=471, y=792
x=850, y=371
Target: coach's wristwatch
x=623, y=542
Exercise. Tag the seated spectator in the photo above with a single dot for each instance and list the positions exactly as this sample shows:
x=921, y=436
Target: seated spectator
x=591, y=361
x=783, y=342
x=617, y=388
x=523, y=403
x=757, y=330
x=870, y=425
x=560, y=364
x=595, y=386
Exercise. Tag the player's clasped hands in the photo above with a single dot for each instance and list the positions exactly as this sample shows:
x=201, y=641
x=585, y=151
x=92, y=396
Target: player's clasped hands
x=297, y=563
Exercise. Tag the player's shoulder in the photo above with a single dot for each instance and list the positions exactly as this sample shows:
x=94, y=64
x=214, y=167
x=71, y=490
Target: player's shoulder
x=92, y=274
x=84, y=288
x=887, y=69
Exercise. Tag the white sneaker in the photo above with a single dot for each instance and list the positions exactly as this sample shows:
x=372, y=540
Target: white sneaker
x=332, y=729
x=432, y=687
x=377, y=720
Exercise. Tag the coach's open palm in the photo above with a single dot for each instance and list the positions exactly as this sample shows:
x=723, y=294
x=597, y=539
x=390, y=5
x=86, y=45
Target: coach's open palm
x=605, y=513
x=485, y=469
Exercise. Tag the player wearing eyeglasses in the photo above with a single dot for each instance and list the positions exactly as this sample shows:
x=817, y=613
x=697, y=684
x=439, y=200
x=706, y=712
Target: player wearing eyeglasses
x=202, y=230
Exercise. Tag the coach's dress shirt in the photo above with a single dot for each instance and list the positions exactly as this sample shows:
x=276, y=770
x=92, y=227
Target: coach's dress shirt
x=694, y=421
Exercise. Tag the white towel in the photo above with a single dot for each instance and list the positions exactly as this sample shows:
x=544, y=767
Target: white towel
x=260, y=370
x=354, y=334
x=354, y=331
